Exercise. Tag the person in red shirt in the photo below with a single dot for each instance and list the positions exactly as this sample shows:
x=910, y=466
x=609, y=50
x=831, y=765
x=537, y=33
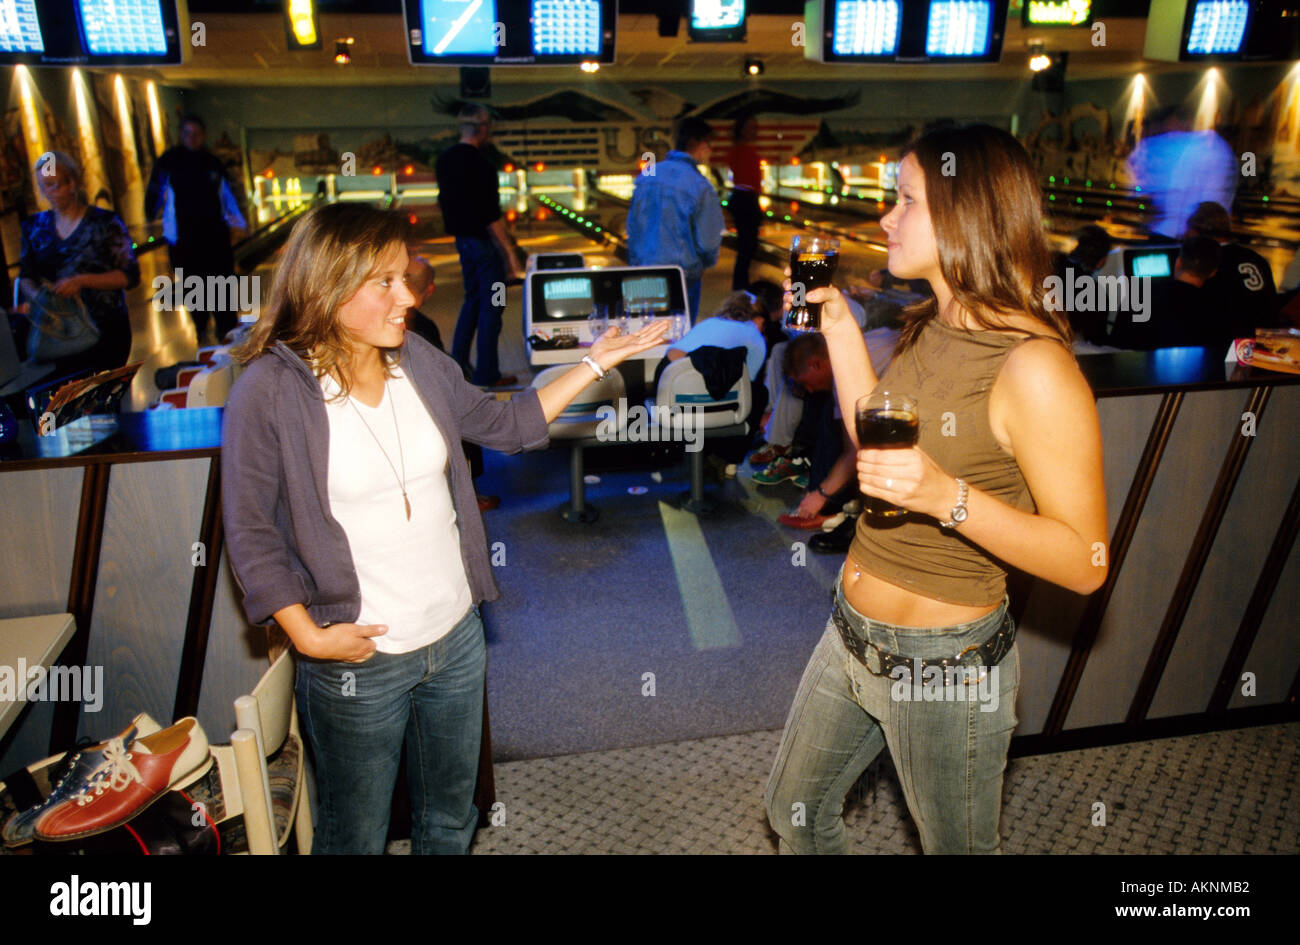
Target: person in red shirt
x=747, y=182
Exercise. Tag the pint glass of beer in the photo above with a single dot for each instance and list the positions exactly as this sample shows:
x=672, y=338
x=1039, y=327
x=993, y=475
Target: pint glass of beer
x=885, y=420
x=812, y=265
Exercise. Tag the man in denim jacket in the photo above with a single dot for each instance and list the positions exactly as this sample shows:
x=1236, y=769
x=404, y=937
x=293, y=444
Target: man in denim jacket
x=675, y=218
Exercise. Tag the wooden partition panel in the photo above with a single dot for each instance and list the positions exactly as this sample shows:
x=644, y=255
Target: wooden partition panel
x=1235, y=560
x=1183, y=483
x=143, y=591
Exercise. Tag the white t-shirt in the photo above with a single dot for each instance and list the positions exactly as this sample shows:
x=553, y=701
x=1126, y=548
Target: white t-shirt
x=411, y=573
x=721, y=332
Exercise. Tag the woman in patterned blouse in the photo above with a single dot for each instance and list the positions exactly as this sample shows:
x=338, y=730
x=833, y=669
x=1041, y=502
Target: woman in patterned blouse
x=80, y=249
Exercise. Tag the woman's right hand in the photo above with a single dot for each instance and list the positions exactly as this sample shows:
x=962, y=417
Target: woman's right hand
x=835, y=310
x=344, y=642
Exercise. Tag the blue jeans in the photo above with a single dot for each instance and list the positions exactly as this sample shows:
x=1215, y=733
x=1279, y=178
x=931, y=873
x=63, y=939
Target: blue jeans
x=356, y=716
x=693, y=287
x=481, y=269
x=949, y=753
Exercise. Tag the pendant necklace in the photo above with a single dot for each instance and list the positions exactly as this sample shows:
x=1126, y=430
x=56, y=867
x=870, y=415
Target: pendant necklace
x=401, y=480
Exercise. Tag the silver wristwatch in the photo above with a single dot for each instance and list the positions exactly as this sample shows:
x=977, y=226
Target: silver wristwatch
x=958, y=513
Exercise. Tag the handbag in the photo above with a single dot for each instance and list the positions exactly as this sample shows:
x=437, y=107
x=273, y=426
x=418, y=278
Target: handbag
x=61, y=327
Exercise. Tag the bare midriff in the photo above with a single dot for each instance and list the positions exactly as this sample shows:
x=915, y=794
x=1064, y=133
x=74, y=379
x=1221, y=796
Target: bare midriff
x=878, y=599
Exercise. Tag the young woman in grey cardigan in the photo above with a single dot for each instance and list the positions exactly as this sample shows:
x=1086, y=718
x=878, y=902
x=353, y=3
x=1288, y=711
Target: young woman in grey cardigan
x=352, y=522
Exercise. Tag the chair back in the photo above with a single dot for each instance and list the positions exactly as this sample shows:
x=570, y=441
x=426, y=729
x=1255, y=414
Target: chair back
x=580, y=420
x=268, y=709
x=682, y=391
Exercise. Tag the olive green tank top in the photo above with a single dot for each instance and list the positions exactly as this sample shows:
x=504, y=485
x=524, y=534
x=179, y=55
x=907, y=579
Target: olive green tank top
x=949, y=372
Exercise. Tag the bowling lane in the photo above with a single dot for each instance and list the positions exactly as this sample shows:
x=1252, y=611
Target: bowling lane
x=862, y=247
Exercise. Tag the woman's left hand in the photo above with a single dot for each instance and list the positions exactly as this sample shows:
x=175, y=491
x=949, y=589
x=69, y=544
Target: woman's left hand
x=909, y=478
x=612, y=348
x=69, y=286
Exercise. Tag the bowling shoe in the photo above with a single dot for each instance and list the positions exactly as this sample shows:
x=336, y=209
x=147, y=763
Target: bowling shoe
x=81, y=767
x=132, y=778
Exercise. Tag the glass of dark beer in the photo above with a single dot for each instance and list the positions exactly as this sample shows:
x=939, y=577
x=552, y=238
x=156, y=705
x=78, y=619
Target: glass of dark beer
x=812, y=266
x=885, y=420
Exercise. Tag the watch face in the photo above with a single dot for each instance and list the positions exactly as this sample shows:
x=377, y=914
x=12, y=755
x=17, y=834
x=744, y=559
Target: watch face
x=959, y=515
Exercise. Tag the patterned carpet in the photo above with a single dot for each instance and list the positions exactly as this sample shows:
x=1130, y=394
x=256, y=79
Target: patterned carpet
x=1224, y=792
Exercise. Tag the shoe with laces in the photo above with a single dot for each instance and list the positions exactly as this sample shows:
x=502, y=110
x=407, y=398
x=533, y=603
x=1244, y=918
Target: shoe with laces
x=783, y=468
x=131, y=778
x=69, y=777
x=767, y=454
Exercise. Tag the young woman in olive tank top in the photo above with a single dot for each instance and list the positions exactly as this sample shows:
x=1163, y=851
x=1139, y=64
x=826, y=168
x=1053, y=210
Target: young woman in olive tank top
x=919, y=653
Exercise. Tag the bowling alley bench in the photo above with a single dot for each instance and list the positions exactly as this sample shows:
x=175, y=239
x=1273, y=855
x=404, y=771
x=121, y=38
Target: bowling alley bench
x=121, y=527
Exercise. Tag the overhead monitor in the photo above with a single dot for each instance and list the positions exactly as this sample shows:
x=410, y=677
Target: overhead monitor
x=717, y=21
x=959, y=28
x=1218, y=27
x=1222, y=31
x=901, y=31
x=122, y=27
x=20, y=30
x=866, y=28
x=89, y=32
x=510, y=32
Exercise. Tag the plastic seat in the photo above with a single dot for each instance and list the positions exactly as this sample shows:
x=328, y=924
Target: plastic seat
x=682, y=390
x=579, y=419
x=577, y=425
x=268, y=726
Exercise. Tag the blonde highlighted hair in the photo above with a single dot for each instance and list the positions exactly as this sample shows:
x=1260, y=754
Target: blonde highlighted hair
x=330, y=254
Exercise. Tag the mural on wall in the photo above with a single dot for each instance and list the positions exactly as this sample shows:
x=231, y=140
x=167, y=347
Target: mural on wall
x=15, y=168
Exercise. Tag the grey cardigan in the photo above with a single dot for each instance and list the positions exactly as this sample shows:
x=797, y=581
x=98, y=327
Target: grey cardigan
x=285, y=546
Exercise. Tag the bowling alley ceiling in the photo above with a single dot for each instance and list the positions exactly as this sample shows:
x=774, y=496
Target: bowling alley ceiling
x=245, y=46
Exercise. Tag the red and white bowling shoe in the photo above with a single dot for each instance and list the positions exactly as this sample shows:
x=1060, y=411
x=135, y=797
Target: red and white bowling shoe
x=129, y=781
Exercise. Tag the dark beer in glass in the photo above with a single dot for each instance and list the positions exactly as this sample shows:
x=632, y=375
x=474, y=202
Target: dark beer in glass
x=812, y=266
x=885, y=420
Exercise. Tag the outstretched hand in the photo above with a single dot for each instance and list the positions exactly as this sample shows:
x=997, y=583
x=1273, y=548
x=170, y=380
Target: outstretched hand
x=613, y=348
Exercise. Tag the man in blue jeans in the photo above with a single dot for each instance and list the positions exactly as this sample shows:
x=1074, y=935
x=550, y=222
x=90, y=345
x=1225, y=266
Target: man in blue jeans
x=675, y=218
x=471, y=212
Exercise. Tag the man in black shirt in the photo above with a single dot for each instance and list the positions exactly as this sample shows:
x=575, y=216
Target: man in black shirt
x=1183, y=310
x=188, y=186
x=471, y=212
x=1242, y=289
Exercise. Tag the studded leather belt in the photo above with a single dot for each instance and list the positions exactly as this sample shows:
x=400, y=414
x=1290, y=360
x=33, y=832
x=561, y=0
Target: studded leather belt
x=880, y=662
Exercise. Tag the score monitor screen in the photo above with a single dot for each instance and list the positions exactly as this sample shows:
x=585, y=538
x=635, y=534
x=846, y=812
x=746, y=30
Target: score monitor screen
x=641, y=292
x=1153, y=265
x=566, y=27
x=509, y=32
x=1218, y=27
x=567, y=297
x=122, y=27
x=20, y=31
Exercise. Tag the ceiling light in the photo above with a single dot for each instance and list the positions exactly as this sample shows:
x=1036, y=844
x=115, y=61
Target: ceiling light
x=753, y=66
x=1038, y=58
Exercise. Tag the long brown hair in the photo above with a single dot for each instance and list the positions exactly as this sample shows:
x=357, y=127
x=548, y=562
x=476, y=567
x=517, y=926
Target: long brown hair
x=330, y=254
x=986, y=209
